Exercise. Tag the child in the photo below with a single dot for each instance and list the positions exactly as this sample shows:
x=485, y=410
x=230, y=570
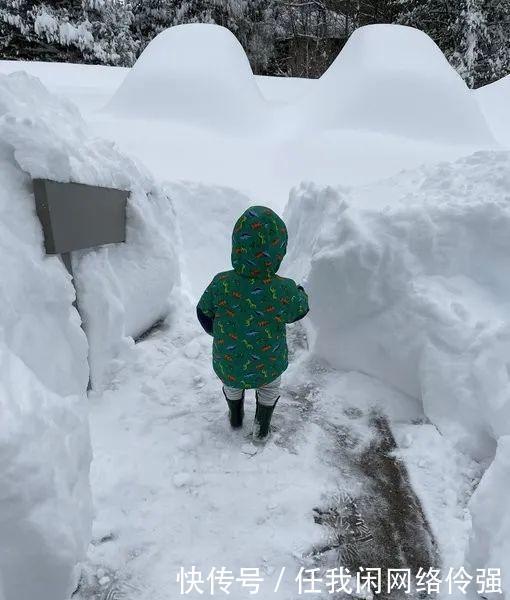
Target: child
x=246, y=311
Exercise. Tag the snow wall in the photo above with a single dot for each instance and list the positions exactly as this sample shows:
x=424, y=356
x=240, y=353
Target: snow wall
x=394, y=79
x=195, y=73
x=409, y=281
x=45, y=504
x=122, y=289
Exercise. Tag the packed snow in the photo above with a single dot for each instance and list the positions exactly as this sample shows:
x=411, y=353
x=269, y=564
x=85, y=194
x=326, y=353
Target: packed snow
x=119, y=297
x=45, y=503
x=407, y=277
x=409, y=282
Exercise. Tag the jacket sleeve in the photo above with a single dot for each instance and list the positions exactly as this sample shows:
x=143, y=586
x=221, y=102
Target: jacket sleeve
x=206, y=309
x=298, y=305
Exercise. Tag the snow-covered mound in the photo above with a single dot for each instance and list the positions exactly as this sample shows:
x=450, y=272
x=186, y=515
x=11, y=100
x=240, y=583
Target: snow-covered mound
x=45, y=508
x=394, y=79
x=409, y=282
x=195, y=73
x=125, y=288
x=494, y=100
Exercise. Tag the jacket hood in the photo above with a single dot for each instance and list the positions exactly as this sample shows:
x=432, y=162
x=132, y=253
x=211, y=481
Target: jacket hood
x=259, y=243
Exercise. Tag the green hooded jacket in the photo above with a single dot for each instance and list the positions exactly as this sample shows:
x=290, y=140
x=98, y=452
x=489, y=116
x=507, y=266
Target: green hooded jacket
x=250, y=306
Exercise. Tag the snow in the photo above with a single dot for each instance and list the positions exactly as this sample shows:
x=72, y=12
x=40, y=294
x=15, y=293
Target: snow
x=45, y=505
x=87, y=86
x=407, y=275
x=175, y=487
x=490, y=541
x=411, y=276
x=262, y=159
x=125, y=289
x=122, y=289
x=408, y=280
x=178, y=77
x=284, y=90
x=395, y=80
x=494, y=100
x=44, y=442
x=205, y=213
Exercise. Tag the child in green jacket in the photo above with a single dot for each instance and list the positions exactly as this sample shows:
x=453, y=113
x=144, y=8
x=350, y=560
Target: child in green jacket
x=246, y=310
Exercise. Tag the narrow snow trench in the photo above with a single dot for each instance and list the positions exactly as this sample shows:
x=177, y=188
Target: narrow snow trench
x=175, y=489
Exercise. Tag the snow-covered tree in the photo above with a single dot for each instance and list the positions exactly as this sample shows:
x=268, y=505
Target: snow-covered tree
x=151, y=17
x=281, y=37
x=82, y=30
x=309, y=34
x=110, y=24
x=497, y=63
x=471, y=40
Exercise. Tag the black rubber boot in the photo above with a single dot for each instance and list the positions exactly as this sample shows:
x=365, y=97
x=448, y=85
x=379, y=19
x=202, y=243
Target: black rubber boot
x=236, y=410
x=262, y=424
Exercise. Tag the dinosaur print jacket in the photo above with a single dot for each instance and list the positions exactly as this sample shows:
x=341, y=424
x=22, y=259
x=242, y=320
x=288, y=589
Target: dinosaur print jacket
x=246, y=309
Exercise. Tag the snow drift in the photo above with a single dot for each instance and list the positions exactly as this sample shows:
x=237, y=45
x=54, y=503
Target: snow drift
x=394, y=79
x=123, y=289
x=195, y=73
x=409, y=282
x=45, y=512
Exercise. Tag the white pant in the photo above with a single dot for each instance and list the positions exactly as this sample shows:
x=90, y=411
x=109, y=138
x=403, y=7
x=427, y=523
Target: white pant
x=267, y=394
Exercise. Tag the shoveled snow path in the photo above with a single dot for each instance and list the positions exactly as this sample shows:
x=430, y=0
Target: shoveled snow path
x=172, y=485
x=175, y=487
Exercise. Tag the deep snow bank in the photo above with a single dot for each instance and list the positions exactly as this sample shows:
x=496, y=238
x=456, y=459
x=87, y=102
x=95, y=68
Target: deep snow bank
x=44, y=443
x=409, y=282
x=194, y=73
x=45, y=512
x=394, y=79
x=123, y=288
x=494, y=100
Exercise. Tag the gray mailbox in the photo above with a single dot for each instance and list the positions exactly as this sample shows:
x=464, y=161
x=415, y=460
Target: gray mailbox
x=76, y=216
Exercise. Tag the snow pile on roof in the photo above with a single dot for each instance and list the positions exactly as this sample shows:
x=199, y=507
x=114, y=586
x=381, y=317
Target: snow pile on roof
x=196, y=73
x=45, y=508
x=494, y=100
x=45, y=512
x=409, y=281
x=394, y=79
